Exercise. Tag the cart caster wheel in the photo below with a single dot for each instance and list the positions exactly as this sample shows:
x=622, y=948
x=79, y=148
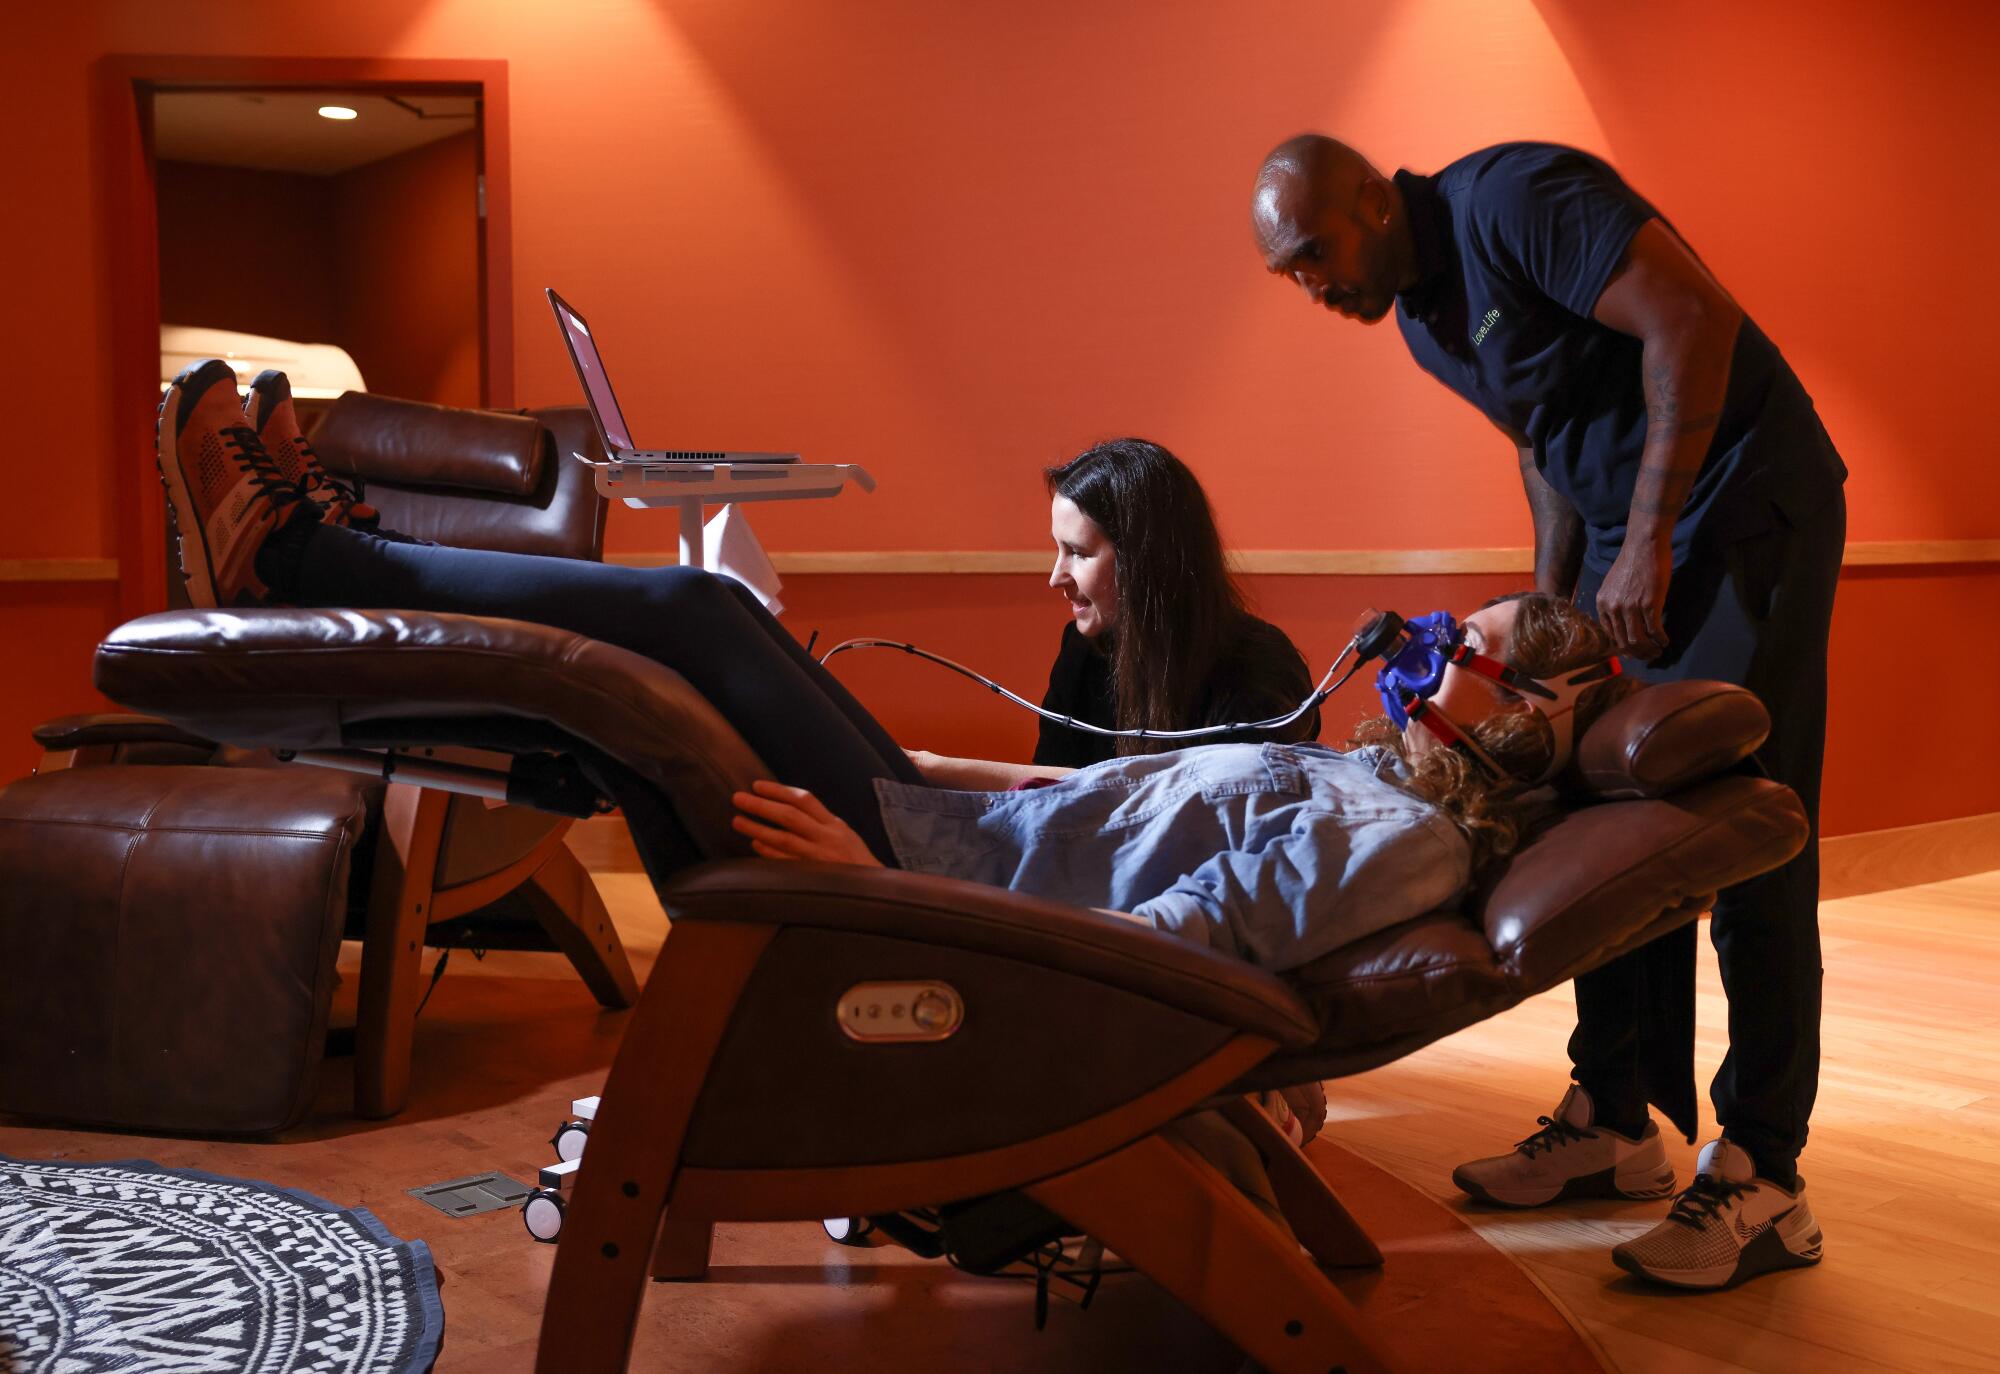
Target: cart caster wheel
x=542, y=1214
x=570, y=1138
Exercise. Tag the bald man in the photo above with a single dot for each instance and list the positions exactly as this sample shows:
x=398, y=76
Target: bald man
x=1682, y=488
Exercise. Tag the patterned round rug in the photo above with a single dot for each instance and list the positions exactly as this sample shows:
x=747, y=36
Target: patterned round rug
x=127, y=1266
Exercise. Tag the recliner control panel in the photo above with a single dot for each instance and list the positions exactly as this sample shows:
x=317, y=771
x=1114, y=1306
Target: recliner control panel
x=893, y=1013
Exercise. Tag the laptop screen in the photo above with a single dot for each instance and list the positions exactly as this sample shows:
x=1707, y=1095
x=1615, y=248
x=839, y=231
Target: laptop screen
x=590, y=370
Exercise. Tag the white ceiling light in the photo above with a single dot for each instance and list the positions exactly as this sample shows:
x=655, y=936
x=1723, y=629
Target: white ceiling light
x=335, y=112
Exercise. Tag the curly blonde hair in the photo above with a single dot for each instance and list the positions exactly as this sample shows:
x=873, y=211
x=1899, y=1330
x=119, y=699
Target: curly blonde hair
x=1550, y=637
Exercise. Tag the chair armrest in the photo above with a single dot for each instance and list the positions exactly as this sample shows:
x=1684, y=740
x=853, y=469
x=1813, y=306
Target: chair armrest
x=111, y=728
x=990, y=920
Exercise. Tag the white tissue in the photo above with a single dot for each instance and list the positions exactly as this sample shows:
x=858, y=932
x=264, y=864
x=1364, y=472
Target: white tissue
x=730, y=547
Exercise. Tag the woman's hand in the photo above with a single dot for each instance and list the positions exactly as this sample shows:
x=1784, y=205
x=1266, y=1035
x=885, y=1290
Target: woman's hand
x=791, y=823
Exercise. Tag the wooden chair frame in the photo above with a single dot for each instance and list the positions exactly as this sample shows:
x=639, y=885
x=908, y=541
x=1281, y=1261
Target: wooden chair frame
x=404, y=902
x=638, y=1213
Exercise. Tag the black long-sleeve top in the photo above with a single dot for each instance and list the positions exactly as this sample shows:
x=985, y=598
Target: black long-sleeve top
x=1261, y=675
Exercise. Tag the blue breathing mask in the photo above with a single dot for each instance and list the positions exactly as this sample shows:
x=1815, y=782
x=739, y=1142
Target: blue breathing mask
x=1415, y=654
x=1413, y=662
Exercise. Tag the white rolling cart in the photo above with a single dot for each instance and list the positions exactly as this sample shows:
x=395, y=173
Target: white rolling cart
x=687, y=487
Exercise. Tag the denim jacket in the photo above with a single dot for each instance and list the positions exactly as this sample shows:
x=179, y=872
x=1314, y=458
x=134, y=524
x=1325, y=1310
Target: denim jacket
x=1274, y=853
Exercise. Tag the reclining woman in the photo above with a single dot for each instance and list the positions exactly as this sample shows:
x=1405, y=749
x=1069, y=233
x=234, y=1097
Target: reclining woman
x=1275, y=853
x=1159, y=637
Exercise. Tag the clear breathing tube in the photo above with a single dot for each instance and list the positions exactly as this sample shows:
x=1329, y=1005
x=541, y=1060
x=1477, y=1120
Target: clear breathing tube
x=1311, y=703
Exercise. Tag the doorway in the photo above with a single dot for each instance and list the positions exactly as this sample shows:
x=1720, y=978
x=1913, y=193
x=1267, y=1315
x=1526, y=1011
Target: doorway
x=331, y=234
x=366, y=250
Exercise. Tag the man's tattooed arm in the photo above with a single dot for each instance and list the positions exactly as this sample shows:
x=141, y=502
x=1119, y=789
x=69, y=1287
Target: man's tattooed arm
x=1677, y=441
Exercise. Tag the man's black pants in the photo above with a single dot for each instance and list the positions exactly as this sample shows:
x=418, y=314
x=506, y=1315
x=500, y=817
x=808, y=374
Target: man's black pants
x=1755, y=612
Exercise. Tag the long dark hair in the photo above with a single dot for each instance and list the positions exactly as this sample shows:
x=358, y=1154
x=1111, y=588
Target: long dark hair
x=1178, y=607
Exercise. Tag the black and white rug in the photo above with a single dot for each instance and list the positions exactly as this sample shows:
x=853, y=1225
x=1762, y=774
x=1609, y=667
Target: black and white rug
x=127, y=1266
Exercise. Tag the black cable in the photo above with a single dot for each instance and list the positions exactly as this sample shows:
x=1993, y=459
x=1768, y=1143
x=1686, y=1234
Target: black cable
x=1311, y=703
x=438, y=972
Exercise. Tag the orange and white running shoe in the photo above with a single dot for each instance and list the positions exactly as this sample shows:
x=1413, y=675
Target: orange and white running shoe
x=276, y=420
x=225, y=492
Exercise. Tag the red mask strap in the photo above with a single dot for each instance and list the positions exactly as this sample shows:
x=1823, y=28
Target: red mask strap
x=1452, y=737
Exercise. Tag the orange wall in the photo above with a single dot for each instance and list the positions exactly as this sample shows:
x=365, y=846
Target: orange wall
x=247, y=250
x=408, y=271
x=958, y=242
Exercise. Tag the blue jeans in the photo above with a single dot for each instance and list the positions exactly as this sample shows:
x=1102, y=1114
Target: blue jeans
x=709, y=629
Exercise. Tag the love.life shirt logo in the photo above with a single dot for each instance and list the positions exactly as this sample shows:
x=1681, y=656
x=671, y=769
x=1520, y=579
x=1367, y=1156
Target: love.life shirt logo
x=1486, y=323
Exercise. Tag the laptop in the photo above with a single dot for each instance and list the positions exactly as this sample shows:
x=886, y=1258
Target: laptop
x=604, y=403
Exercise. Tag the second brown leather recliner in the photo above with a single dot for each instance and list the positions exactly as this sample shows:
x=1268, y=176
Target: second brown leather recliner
x=433, y=869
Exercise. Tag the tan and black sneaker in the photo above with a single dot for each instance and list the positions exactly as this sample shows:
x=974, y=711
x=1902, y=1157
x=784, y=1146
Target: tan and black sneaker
x=1730, y=1225
x=1571, y=1157
x=272, y=414
x=226, y=493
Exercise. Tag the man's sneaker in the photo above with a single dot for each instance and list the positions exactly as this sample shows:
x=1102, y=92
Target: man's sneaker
x=1570, y=1157
x=276, y=421
x=1727, y=1227
x=225, y=492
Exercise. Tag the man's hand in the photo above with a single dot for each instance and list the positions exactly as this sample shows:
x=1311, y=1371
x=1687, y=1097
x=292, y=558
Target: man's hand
x=1632, y=603
x=791, y=823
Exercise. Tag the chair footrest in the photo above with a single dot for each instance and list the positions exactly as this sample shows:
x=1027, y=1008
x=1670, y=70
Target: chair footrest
x=169, y=935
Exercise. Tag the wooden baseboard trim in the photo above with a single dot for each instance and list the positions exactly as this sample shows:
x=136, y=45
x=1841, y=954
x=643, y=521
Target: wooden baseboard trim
x=1879, y=860
x=58, y=570
x=1295, y=562
x=1250, y=562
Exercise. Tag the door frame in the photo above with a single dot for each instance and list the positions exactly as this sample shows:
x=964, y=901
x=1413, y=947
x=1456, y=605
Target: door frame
x=126, y=84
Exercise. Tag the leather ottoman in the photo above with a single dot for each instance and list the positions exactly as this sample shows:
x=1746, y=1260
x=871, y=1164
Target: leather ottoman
x=168, y=938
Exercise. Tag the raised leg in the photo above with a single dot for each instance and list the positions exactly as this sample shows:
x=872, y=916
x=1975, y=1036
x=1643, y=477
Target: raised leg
x=1326, y=1228
x=1174, y=1218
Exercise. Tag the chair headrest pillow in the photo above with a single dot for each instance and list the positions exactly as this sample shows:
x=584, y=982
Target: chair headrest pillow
x=1666, y=736
x=414, y=444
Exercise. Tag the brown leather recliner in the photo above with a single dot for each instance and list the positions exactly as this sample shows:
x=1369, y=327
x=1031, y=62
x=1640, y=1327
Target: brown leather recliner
x=438, y=869
x=1051, y=1044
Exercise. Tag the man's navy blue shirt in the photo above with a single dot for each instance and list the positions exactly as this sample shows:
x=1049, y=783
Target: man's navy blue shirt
x=1514, y=245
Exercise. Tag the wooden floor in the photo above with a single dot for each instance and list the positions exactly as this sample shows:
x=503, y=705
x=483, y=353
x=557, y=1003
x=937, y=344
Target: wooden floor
x=1903, y=1167
x=1904, y=1171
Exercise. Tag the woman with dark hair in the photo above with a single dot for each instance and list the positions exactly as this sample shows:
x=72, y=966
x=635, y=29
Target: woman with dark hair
x=1159, y=637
